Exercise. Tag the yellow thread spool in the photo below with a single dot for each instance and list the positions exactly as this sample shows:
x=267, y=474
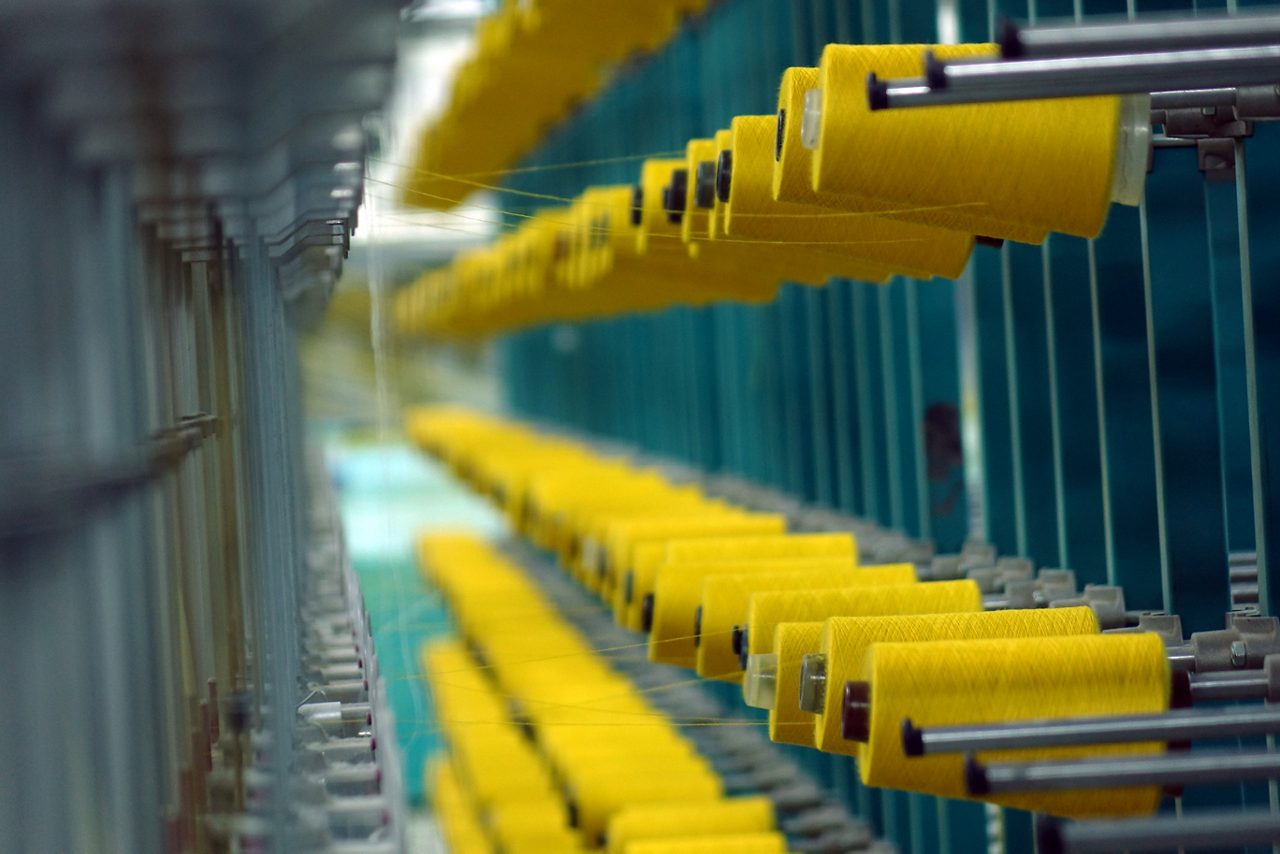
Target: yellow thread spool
x=845, y=641
x=602, y=796
x=728, y=522
x=738, y=843
x=793, y=175
x=752, y=212
x=697, y=221
x=789, y=724
x=937, y=683
x=752, y=259
x=677, y=593
x=717, y=549
x=528, y=819
x=766, y=610
x=725, y=597
x=707, y=818
x=1012, y=157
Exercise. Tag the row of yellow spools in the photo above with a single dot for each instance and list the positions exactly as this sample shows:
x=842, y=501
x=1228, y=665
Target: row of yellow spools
x=533, y=60
x=689, y=568
x=898, y=192
x=539, y=729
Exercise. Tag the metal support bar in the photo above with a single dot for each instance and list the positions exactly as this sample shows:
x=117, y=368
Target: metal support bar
x=1188, y=833
x=989, y=81
x=1154, y=35
x=1179, y=725
x=1170, y=769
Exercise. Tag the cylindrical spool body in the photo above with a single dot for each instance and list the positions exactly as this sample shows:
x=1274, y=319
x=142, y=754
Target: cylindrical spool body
x=936, y=683
x=1017, y=158
x=845, y=641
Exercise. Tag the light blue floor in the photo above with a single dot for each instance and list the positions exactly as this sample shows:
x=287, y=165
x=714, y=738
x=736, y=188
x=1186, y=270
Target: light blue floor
x=388, y=494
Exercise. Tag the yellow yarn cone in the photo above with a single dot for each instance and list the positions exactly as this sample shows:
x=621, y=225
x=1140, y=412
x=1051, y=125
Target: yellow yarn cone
x=766, y=610
x=936, y=683
x=1010, y=161
x=845, y=641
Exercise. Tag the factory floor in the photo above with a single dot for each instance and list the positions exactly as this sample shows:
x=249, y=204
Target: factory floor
x=388, y=494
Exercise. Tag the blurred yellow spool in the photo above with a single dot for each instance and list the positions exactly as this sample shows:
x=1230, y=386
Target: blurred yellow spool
x=738, y=843
x=724, y=602
x=802, y=264
x=936, y=683
x=646, y=822
x=1012, y=158
x=793, y=175
x=603, y=796
x=677, y=593
x=696, y=224
x=620, y=558
x=519, y=820
x=716, y=549
x=767, y=610
x=791, y=643
x=902, y=247
x=845, y=641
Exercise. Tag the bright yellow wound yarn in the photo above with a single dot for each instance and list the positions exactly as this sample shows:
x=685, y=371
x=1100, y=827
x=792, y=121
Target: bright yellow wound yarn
x=724, y=605
x=645, y=822
x=791, y=643
x=1011, y=158
x=677, y=593
x=766, y=610
x=793, y=176
x=936, y=683
x=738, y=843
x=902, y=247
x=717, y=549
x=845, y=641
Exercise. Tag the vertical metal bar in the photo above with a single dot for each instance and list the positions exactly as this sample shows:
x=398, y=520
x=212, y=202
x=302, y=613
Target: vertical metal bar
x=889, y=379
x=1166, y=581
x=1015, y=423
x=1055, y=410
x=866, y=435
x=1109, y=537
x=915, y=341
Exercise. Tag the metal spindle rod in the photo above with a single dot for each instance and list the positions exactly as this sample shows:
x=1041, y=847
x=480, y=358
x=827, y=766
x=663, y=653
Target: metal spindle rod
x=1232, y=828
x=1163, y=770
x=1181, y=99
x=1146, y=36
x=994, y=80
x=1230, y=685
x=1178, y=725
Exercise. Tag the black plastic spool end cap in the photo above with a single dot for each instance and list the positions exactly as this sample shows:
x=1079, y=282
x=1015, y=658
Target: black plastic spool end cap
x=704, y=185
x=877, y=93
x=637, y=204
x=674, y=195
x=781, y=134
x=912, y=739
x=724, y=175
x=646, y=613
x=1048, y=830
x=855, y=712
x=935, y=71
x=975, y=777
x=1009, y=37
